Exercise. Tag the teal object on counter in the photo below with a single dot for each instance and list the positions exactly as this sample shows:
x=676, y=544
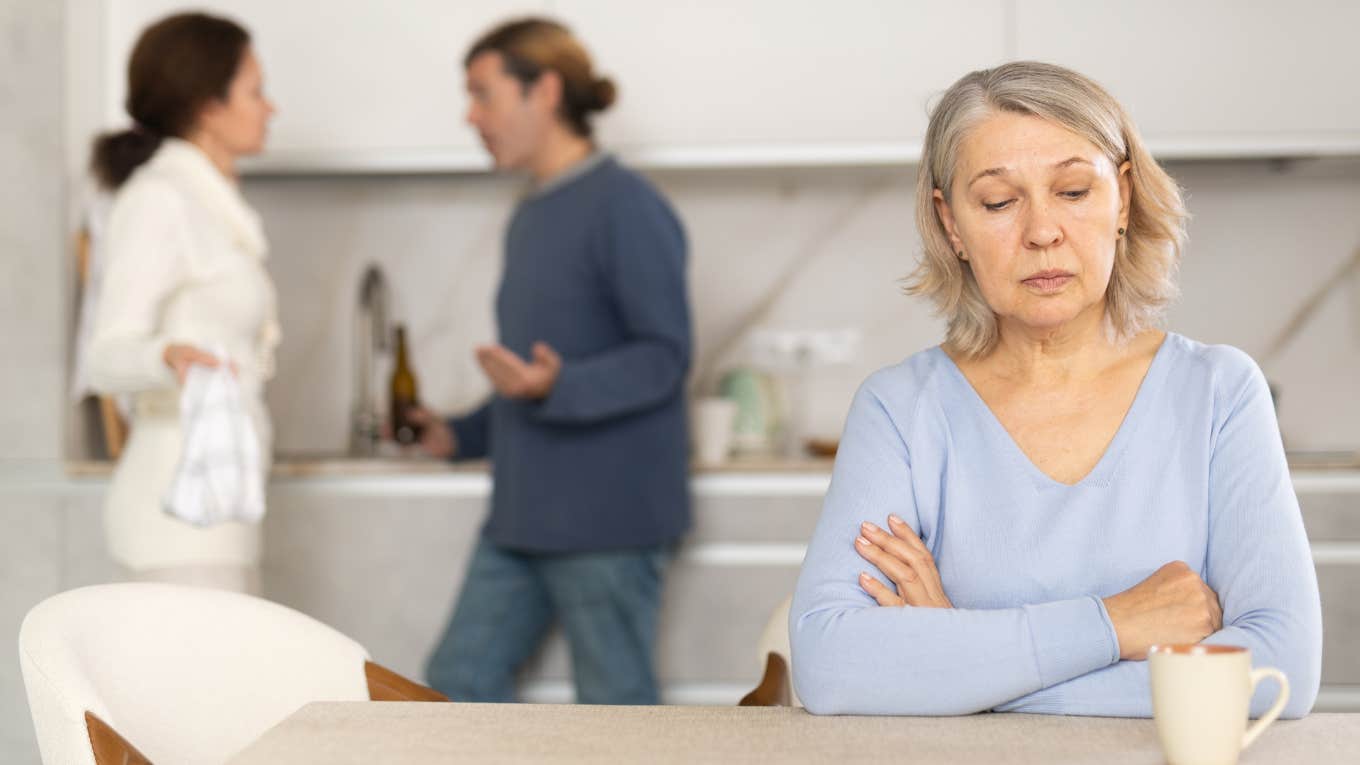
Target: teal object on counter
x=759, y=404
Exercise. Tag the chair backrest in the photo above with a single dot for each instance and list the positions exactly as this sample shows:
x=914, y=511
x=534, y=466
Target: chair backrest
x=772, y=650
x=111, y=421
x=185, y=674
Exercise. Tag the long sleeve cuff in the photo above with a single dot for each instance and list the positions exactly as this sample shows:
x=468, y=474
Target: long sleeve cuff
x=1071, y=638
x=157, y=372
x=618, y=383
x=470, y=442
x=129, y=365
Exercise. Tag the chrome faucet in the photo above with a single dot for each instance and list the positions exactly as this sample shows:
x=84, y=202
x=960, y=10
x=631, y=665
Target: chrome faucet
x=370, y=338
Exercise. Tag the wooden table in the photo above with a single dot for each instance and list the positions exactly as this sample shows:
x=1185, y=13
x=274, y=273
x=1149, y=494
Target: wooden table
x=336, y=733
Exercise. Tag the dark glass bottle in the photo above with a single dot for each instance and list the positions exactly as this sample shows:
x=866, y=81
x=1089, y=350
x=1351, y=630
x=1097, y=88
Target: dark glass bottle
x=404, y=396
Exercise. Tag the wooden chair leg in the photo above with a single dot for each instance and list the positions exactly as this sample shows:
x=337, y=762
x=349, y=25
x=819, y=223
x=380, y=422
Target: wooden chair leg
x=773, y=690
x=108, y=746
x=386, y=685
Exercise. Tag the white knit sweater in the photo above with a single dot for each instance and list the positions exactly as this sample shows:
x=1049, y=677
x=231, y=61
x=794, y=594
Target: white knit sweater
x=185, y=264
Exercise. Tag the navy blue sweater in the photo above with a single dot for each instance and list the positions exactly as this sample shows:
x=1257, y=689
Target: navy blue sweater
x=595, y=268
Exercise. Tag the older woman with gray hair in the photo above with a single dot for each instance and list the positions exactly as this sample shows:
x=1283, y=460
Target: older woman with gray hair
x=1017, y=515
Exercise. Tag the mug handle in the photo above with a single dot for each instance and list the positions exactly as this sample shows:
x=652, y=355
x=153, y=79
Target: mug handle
x=1257, y=675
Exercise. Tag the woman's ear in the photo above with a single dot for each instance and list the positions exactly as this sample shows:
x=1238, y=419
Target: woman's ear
x=946, y=214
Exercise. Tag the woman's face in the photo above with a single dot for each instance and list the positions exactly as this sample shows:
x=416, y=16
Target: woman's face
x=1035, y=209
x=240, y=122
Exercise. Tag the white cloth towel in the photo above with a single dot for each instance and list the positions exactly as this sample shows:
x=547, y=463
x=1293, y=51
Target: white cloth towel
x=220, y=477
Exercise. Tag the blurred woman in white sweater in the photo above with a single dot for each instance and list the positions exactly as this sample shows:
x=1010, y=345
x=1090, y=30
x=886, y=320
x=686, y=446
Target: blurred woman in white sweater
x=185, y=274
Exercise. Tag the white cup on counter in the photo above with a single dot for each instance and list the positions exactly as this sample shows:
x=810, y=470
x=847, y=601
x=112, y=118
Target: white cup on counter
x=1200, y=698
x=712, y=424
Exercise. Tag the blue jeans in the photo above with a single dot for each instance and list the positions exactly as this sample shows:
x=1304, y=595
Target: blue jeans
x=607, y=603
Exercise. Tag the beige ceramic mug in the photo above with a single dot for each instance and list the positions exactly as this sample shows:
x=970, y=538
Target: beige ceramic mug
x=1200, y=697
x=712, y=428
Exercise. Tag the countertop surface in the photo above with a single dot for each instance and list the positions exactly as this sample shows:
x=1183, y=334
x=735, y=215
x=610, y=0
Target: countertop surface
x=330, y=473
x=326, y=464
x=411, y=733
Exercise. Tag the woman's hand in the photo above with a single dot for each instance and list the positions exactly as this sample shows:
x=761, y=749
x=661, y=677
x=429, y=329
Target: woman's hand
x=901, y=555
x=181, y=357
x=1172, y=606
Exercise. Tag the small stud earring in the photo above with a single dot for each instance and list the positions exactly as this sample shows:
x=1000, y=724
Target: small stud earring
x=1121, y=232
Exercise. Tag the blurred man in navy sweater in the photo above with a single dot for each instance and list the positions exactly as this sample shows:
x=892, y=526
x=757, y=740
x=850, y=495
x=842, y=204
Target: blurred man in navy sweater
x=586, y=431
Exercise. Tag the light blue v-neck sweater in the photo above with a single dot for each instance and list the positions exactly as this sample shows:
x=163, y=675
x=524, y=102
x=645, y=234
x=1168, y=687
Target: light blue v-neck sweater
x=1195, y=473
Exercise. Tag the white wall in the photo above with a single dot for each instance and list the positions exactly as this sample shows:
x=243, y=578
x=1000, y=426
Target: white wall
x=1262, y=239
x=33, y=303
x=33, y=314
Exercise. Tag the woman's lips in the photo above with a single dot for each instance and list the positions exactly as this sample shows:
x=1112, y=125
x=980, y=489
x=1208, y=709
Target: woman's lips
x=1048, y=281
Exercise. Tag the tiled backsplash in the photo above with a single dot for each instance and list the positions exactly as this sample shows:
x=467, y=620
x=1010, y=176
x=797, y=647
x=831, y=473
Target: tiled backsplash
x=814, y=249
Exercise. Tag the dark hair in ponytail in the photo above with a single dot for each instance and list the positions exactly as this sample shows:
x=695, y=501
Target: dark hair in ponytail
x=179, y=64
x=116, y=155
x=529, y=47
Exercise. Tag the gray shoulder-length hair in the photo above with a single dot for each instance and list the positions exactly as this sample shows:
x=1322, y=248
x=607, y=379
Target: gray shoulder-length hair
x=1143, y=280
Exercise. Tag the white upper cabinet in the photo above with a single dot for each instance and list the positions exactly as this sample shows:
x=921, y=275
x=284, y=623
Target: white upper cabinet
x=707, y=80
x=1213, y=77
x=372, y=86
x=359, y=84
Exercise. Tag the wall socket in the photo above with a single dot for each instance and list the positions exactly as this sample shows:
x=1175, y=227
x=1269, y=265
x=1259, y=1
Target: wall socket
x=789, y=349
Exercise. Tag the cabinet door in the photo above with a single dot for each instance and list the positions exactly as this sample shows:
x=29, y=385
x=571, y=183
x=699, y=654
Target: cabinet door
x=1212, y=76
x=353, y=79
x=757, y=74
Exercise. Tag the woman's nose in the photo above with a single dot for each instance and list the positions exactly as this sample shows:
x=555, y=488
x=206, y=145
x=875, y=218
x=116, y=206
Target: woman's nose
x=1041, y=228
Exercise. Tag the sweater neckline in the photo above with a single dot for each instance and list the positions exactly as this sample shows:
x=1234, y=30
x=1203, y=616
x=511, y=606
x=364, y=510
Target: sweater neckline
x=1108, y=464
x=185, y=161
x=572, y=174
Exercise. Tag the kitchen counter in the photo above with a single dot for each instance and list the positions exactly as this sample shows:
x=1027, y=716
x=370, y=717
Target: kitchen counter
x=289, y=466
x=414, y=476
x=319, y=466
x=329, y=465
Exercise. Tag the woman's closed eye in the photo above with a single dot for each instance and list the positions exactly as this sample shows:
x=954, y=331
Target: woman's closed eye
x=1072, y=195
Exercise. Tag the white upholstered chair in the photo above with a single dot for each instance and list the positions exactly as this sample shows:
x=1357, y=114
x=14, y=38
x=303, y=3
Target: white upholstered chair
x=142, y=672
x=772, y=650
